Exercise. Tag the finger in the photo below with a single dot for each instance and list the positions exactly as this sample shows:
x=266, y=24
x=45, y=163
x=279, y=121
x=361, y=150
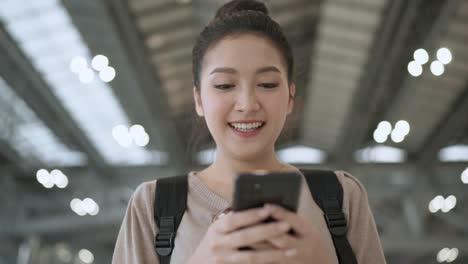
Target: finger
x=236, y=220
x=263, y=246
x=281, y=214
x=254, y=234
x=261, y=256
x=284, y=241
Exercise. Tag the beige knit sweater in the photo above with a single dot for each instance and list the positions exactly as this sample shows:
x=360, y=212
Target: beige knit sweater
x=135, y=242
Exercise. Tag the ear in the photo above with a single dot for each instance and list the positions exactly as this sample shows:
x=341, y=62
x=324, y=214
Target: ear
x=292, y=94
x=198, y=102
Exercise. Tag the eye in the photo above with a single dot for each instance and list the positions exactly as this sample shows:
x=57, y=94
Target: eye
x=268, y=85
x=224, y=86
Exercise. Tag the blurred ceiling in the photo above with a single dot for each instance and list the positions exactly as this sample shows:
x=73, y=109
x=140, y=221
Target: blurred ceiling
x=351, y=61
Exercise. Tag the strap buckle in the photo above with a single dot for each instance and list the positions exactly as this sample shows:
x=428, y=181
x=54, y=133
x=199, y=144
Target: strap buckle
x=164, y=243
x=336, y=223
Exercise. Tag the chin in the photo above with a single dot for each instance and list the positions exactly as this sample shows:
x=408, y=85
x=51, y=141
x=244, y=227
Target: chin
x=250, y=152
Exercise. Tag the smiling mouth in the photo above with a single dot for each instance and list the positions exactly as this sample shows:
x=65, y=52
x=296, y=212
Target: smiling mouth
x=247, y=127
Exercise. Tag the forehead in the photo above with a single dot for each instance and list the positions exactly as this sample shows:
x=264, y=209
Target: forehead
x=245, y=52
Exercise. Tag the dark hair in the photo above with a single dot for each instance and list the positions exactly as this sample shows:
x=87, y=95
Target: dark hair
x=236, y=17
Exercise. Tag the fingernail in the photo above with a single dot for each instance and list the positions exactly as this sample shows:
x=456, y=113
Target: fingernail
x=291, y=252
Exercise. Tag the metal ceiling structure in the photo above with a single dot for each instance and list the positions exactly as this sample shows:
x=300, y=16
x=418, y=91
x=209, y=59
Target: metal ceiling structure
x=351, y=61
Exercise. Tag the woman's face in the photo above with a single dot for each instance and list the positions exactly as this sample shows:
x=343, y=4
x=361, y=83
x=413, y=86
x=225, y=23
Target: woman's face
x=244, y=81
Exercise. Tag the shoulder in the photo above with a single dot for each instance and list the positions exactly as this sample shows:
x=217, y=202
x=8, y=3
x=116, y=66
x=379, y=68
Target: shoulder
x=354, y=192
x=350, y=183
x=145, y=189
x=143, y=196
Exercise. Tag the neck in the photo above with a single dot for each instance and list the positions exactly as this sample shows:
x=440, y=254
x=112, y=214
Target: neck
x=225, y=167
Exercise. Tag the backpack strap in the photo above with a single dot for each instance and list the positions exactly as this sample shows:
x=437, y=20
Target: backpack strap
x=170, y=203
x=328, y=194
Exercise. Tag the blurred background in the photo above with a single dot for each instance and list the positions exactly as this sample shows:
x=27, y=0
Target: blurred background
x=96, y=97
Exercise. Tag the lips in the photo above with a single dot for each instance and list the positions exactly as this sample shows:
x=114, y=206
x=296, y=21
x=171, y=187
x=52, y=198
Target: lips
x=258, y=125
x=248, y=132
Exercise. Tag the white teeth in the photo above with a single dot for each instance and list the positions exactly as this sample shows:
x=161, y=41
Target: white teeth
x=243, y=126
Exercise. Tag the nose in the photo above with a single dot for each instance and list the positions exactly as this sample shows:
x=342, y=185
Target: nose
x=247, y=101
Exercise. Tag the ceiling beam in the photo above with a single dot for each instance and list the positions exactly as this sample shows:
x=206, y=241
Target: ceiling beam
x=21, y=76
x=124, y=86
x=393, y=28
x=451, y=128
x=149, y=84
x=15, y=160
x=382, y=87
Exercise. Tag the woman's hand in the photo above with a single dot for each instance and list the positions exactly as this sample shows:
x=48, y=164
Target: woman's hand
x=306, y=245
x=241, y=229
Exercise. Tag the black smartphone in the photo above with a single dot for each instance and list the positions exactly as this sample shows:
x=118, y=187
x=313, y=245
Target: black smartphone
x=254, y=190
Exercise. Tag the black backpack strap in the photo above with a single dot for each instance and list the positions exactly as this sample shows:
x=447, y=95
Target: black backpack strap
x=170, y=203
x=328, y=194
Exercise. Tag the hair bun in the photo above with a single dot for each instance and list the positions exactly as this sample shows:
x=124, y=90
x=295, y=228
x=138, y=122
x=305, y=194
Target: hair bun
x=236, y=6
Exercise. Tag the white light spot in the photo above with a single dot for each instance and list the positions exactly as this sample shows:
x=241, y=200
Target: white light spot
x=415, y=69
x=302, y=154
x=86, y=256
x=49, y=184
x=444, y=55
x=42, y=176
x=451, y=202
x=122, y=136
x=74, y=203
x=137, y=130
x=77, y=207
x=107, y=74
x=78, y=64
x=385, y=126
x=438, y=202
x=431, y=207
x=142, y=140
x=437, y=68
x=421, y=56
x=95, y=210
x=403, y=127
x=86, y=76
x=464, y=176
x=442, y=255
x=59, y=179
x=445, y=208
x=99, y=62
x=206, y=156
x=397, y=136
x=63, y=183
x=381, y=154
x=454, y=153
x=380, y=136
x=89, y=205
x=452, y=255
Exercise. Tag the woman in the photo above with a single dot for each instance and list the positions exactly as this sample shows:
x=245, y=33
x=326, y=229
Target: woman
x=243, y=88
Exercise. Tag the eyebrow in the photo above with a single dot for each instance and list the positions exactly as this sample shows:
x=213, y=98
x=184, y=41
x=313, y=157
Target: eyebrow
x=233, y=71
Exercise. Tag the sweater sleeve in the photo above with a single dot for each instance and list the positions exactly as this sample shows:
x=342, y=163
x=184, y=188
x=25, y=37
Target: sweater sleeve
x=362, y=230
x=135, y=242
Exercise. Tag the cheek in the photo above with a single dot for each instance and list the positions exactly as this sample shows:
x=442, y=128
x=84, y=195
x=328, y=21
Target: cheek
x=277, y=107
x=216, y=110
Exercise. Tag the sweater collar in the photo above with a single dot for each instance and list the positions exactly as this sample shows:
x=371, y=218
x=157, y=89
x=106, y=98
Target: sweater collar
x=202, y=191
x=212, y=199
